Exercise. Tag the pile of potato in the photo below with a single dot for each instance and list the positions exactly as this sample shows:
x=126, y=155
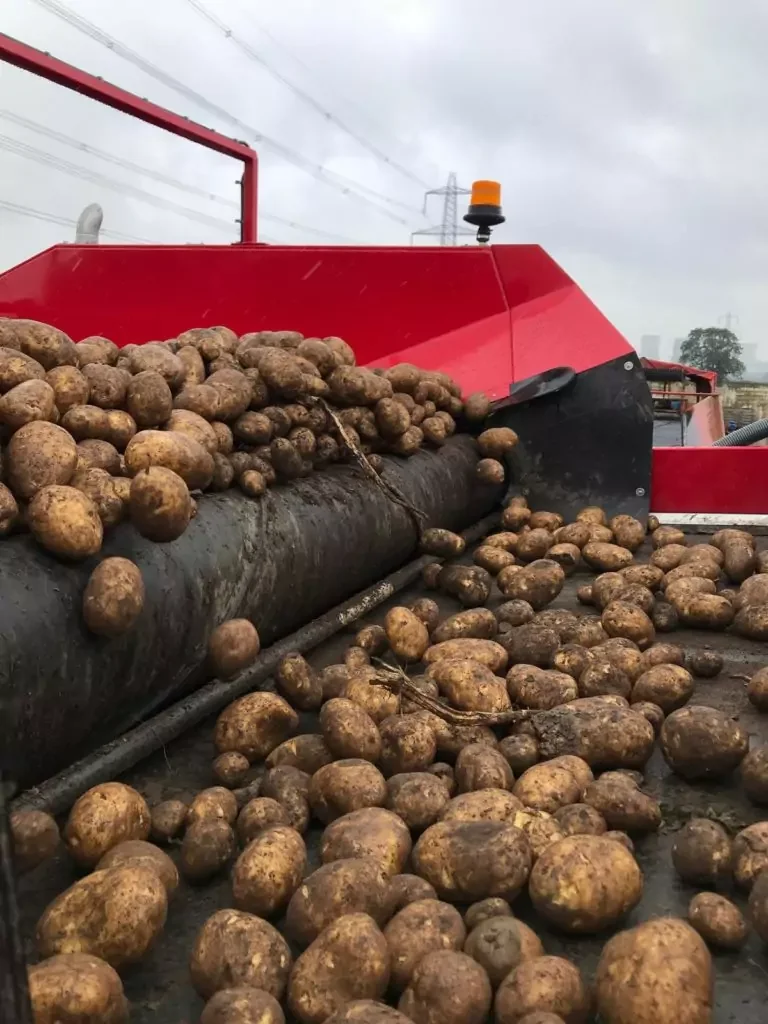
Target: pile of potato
x=92, y=434
x=458, y=762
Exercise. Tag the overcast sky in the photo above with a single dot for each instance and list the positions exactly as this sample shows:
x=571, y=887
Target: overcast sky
x=630, y=138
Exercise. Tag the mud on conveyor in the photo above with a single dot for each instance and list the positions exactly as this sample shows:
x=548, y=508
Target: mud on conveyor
x=159, y=988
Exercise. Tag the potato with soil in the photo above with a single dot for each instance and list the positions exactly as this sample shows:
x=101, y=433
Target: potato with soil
x=521, y=751
x=344, y=786
x=408, y=744
x=180, y=452
x=254, y=725
x=660, y=971
x=407, y=635
x=307, y=752
x=702, y=743
x=269, y=871
x=235, y=948
x=9, y=510
x=499, y=945
x=487, y=652
x=230, y=769
x=26, y=403
x=242, y=1005
x=471, y=860
x=34, y=838
x=113, y=597
x=538, y=583
x=622, y=619
x=349, y=731
x=702, y=853
x=478, y=623
x=470, y=584
x=757, y=690
x=622, y=804
x=533, y=544
x=442, y=543
x=76, y=987
x=750, y=853
x=602, y=677
x=348, y=960
x=483, y=805
x=469, y=686
x=167, y=820
x=371, y=832
x=69, y=385
x=420, y=928
x=539, y=690
x=605, y=734
x=39, y=455
x=16, y=368
x=718, y=921
x=137, y=852
x=585, y=883
x=290, y=787
x=115, y=914
x=232, y=647
x=628, y=532
x=754, y=775
x=496, y=442
x=758, y=906
x=550, y=785
x=101, y=818
x=447, y=987
x=705, y=611
x=752, y=622
x=571, y=659
x=351, y=886
x=258, y=815
x=298, y=682
x=514, y=613
x=480, y=767
x=605, y=557
x=580, y=819
x=364, y=689
x=545, y=985
x=417, y=797
x=668, y=686
x=532, y=644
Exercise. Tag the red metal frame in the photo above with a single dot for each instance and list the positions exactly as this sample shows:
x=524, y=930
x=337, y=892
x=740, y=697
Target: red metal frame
x=727, y=481
x=42, y=64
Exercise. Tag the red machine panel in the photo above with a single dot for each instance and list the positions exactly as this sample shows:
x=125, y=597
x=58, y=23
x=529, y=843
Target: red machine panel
x=710, y=480
x=488, y=316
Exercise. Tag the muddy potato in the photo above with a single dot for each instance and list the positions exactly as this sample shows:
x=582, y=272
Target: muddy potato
x=417, y=797
x=254, y=725
x=605, y=587
x=490, y=471
x=718, y=921
x=115, y=914
x=230, y=769
x=505, y=540
x=487, y=652
x=495, y=442
x=26, y=403
x=705, y=611
x=348, y=960
x=180, y=452
x=702, y=853
x=16, y=367
x=567, y=556
x=533, y=644
x=651, y=712
x=9, y=510
x=739, y=561
x=621, y=619
x=235, y=948
x=232, y=647
x=113, y=597
x=99, y=486
x=471, y=585
x=550, y=785
x=628, y=532
x=659, y=971
x=344, y=786
x=258, y=815
x=483, y=805
x=533, y=544
x=38, y=455
x=539, y=690
x=702, y=743
x=479, y=623
x=480, y=767
x=408, y=743
x=76, y=987
x=298, y=682
x=545, y=984
x=159, y=504
x=750, y=853
x=370, y=832
x=623, y=805
x=447, y=987
x=269, y=871
x=34, y=838
x=69, y=385
x=606, y=557
x=758, y=906
x=350, y=886
x=635, y=593
x=668, y=535
x=603, y=677
x=471, y=860
x=662, y=654
x=167, y=820
x=427, y=610
x=754, y=775
x=572, y=659
x=407, y=635
x=664, y=617
x=138, y=852
x=243, y=1004
x=483, y=910
x=752, y=622
x=307, y=752
x=515, y=517
x=538, y=583
x=606, y=734
x=290, y=787
x=668, y=686
x=585, y=883
x=753, y=590
x=363, y=689
x=757, y=690
x=492, y=559
x=104, y=816
x=95, y=454
x=580, y=819
x=349, y=731
x=356, y=658
x=213, y=804
x=469, y=685
x=521, y=752
x=516, y=612
x=420, y=928
x=668, y=557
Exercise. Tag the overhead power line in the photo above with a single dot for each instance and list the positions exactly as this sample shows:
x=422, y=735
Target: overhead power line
x=41, y=156
x=53, y=218
x=345, y=185
x=232, y=37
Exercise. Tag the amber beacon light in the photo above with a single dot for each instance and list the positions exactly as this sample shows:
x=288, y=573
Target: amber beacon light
x=485, y=208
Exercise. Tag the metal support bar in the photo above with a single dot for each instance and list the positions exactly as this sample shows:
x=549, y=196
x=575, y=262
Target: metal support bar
x=45, y=66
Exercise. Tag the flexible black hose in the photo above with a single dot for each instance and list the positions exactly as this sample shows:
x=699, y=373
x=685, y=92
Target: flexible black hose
x=58, y=793
x=756, y=431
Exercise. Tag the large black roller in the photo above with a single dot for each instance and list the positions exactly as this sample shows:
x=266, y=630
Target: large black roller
x=279, y=561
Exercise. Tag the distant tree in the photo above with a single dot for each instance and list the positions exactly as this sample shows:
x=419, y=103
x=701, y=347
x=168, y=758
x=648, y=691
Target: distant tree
x=713, y=348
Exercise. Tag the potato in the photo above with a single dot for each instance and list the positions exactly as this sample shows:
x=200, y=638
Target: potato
x=344, y=786
x=115, y=914
x=705, y=611
x=719, y=922
x=605, y=587
x=483, y=805
x=160, y=505
x=370, y=832
x=407, y=635
x=702, y=743
x=571, y=659
x=758, y=906
x=668, y=535
x=160, y=359
x=649, y=576
x=754, y=775
x=621, y=619
x=478, y=623
x=567, y=556
x=471, y=585
x=469, y=685
x=580, y=819
x=138, y=852
x=417, y=797
x=232, y=647
x=95, y=454
x=348, y=960
x=750, y=853
x=628, y=532
x=364, y=689
x=740, y=560
x=269, y=871
x=101, y=818
x=668, y=686
x=515, y=613
x=16, y=368
x=471, y=860
x=497, y=944
x=408, y=744
x=496, y=442
x=592, y=514
x=515, y=516
x=242, y=1005
x=548, y=786
x=603, y=677
x=539, y=690
x=521, y=752
x=39, y=455
x=505, y=540
x=585, y=883
x=33, y=400
x=167, y=820
x=356, y=658
x=113, y=597
x=606, y=557
x=254, y=725
x=651, y=712
x=214, y=803
x=532, y=644
x=34, y=837
x=757, y=690
x=298, y=682
x=752, y=622
x=480, y=767
x=604, y=734
x=668, y=557
x=623, y=805
x=258, y=815
x=659, y=971
x=547, y=984
x=76, y=987
x=230, y=769
x=487, y=652
x=349, y=731
x=538, y=583
x=447, y=987
x=702, y=853
x=179, y=452
x=9, y=510
x=69, y=385
x=290, y=787
x=235, y=948
x=307, y=752
x=420, y=928
x=533, y=544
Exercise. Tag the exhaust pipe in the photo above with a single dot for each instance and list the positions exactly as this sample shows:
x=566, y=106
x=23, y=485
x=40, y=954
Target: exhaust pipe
x=89, y=225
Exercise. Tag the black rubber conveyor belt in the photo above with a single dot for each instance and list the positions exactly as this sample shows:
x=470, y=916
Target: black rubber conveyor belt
x=279, y=561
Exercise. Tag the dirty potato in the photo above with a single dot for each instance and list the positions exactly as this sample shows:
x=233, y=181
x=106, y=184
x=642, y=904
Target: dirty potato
x=480, y=767
x=371, y=832
x=236, y=948
x=668, y=686
x=407, y=635
x=34, y=838
x=167, y=820
x=702, y=852
x=447, y=987
x=254, y=725
x=137, y=851
x=702, y=743
x=298, y=682
x=350, y=886
x=104, y=816
x=232, y=647
x=717, y=920
x=242, y=1005
x=113, y=597
x=76, y=987
x=420, y=928
x=543, y=985
x=269, y=871
x=344, y=786
x=606, y=557
x=39, y=455
x=622, y=804
x=538, y=583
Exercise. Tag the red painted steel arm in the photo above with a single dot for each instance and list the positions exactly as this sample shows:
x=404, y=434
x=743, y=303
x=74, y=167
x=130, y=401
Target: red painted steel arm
x=45, y=66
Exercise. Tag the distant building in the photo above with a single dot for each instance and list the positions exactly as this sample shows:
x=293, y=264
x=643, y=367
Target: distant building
x=676, y=348
x=749, y=355
x=649, y=346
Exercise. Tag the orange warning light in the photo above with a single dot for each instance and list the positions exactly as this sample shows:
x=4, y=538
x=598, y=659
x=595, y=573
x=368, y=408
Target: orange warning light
x=485, y=193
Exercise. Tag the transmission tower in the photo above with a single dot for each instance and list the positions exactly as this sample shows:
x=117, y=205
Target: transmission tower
x=449, y=228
